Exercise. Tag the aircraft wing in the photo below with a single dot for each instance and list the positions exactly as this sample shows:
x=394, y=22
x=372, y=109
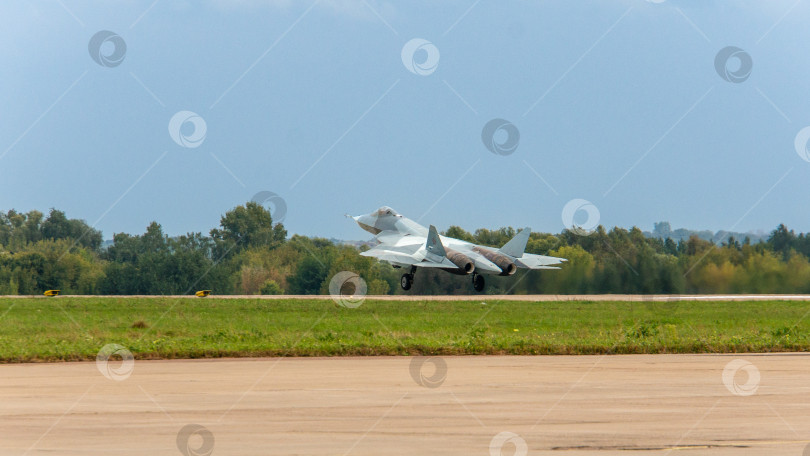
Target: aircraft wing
x=401, y=257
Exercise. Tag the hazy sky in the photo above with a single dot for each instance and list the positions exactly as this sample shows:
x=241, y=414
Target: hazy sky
x=335, y=108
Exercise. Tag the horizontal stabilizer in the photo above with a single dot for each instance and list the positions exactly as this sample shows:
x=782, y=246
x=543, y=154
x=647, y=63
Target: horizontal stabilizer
x=531, y=261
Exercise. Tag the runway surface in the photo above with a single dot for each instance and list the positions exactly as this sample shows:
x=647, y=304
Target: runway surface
x=577, y=405
x=479, y=297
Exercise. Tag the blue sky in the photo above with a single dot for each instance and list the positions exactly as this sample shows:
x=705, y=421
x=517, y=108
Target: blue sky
x=617, y=103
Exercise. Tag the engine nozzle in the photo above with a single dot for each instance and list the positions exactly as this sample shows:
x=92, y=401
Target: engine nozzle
x=464, y=263
x=506, y=264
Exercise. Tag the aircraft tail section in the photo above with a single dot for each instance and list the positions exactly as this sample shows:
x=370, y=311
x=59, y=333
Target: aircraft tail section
x=456, y=261
x=517, y=245
x=434, y=243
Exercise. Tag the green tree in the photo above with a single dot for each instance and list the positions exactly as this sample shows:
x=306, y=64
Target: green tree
x=58, y=226
x=308, y=277
x=782, y=241
x=271, y=288
x=459, y=233
x=247, y=226
x=574, y=276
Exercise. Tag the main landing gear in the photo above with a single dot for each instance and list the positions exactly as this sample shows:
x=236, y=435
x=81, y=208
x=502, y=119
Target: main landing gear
x=478, y=282
x=407, y=279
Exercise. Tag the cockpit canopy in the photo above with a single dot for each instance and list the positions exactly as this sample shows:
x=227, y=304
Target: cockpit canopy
x=385, y=210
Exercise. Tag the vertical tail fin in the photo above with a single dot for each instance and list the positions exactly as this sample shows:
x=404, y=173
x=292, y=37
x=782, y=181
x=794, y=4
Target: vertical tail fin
x=434, y=243
x=517, y=245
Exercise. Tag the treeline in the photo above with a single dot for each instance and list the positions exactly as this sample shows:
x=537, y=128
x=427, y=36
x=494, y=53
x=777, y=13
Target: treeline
x=249, y=254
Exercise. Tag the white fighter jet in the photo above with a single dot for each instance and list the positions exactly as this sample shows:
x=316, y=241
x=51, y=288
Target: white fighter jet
x=407, y=244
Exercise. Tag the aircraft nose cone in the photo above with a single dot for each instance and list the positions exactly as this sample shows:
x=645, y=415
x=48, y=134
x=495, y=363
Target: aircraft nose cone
x=365, y=219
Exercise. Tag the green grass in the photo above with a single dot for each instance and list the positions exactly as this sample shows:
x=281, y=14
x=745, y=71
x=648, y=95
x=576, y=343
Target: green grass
x=68, y=328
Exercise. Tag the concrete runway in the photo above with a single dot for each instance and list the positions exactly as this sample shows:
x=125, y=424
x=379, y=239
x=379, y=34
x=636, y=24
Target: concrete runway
x=578, y=405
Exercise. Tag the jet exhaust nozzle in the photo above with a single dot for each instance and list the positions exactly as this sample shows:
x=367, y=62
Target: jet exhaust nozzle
x=464, y=263
x=506, y=264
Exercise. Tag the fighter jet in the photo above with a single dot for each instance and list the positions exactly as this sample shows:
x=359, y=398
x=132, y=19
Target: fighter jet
x=406, y=244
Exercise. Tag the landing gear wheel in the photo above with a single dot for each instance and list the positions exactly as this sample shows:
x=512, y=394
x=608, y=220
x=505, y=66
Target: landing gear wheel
x=478, y=282
x=406, y=281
